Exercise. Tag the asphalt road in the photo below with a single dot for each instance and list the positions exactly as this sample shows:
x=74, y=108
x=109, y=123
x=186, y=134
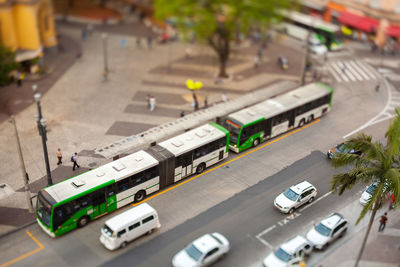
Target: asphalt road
x=245, y=215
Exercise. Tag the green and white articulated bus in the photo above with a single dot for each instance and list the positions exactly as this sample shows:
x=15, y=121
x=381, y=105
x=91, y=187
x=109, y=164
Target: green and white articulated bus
x=75, y=202
x=253, y=125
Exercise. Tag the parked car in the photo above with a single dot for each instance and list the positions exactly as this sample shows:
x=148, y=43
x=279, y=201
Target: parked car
x=341, y=148
x=203, y=251
x=295, y=196
x=328, y=230
x=369, y=191
x=290, y=253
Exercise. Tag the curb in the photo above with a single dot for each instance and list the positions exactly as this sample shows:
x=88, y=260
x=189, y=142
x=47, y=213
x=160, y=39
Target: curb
x=17, y=229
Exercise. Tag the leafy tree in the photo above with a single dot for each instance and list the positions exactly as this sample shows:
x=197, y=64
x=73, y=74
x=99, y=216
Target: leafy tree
x=7, y=64
x=378, y=163
x=218, y=22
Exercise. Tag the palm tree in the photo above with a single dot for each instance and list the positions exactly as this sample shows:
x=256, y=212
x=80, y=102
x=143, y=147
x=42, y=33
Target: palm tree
x=379, y=163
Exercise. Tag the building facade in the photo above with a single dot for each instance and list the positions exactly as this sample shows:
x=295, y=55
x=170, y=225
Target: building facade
x=27, y=27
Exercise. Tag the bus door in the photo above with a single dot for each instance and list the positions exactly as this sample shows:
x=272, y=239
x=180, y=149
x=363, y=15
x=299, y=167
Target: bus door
x=291, y=117
x=99, y=202
x=187, y=164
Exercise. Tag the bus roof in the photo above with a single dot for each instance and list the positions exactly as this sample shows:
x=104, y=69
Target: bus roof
x=127, y=217
x=311, y=21
x=193, y=139
x=113, y=171
x=279, y=104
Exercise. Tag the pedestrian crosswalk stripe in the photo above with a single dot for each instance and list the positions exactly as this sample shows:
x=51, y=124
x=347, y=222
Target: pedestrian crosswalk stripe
x=351, y=71
x=357, y=68
x=368, y=70
x=339, y=71
x=331, y=70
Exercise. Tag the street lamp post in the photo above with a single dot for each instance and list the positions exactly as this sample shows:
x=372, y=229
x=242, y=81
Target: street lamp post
x=104, y=36
x=41, y=122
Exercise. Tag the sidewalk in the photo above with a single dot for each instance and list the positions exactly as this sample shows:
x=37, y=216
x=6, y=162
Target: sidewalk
x=382, y=249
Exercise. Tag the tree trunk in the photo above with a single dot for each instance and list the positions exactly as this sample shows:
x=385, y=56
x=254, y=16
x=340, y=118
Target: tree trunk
x=222, y=69
x=371, y=221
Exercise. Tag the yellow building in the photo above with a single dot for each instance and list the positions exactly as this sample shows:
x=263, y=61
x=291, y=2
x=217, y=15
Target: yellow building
x=27, y=27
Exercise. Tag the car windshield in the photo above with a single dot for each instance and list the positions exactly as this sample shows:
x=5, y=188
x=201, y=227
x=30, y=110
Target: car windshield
x=342, y=148
x=371, y=189
x=290, y=194
x=193, y=252
x=283, y=255
x=107, y=230
x=322, y=229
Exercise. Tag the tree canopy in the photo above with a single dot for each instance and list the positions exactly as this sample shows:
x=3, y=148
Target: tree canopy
x=217, y=22
x=7, y=64
x=378, y=163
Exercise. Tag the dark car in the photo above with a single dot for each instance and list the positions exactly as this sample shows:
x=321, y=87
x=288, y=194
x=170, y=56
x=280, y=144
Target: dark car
x=341, y=148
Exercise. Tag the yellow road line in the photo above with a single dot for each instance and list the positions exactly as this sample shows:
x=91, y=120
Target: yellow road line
x=23, y=256
x=232, y=160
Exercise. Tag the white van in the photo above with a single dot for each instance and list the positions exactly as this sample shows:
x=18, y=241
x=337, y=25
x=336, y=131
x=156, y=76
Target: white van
x=131, y=224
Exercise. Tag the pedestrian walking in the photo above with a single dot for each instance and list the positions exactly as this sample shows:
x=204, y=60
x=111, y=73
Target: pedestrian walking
x=74, y=159
x=20, y=77
x=260, y=53
x=59, y=156
x=344, y=68
x=256, y=61
x=152, y=102
x=182, y=114
x=224, y=97
x=149, y=41
x=123, y=43
x=205, y=102
x=377, y=87
x=382, y=222
x=148, y=100
x=84, y=34
x=195, y=102
x=138, y=43
x=89, y=29
x=188, y=52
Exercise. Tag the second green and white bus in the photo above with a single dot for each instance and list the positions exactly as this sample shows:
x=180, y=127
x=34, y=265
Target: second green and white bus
x=253, y=125
x=75, y=202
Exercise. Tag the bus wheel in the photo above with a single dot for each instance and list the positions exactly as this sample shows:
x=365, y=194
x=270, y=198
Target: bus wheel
x=310, y=118
x=302, y=122
x=201, y=168
x=256, y=142
x=139, y=196
x=83, y=221
x=124, y=244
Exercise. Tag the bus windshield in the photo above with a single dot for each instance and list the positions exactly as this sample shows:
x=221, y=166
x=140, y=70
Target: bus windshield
x=234, y=131
x=44, y=210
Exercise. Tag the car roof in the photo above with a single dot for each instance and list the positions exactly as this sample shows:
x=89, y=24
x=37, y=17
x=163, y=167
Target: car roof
x=205, y=243
x=123, y=219
x=333, y=220
x=293, y=245
x=300, y=187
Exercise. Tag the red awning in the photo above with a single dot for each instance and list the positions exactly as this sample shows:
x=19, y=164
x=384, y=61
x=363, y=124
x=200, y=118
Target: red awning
x=393, y=31
x=358, y=22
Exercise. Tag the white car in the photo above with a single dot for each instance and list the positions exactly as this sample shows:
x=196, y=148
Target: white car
x=367, y=194
x=295, y=196
x=327, y=230
x=316, y=47
x=289, y=254
x=203, y=251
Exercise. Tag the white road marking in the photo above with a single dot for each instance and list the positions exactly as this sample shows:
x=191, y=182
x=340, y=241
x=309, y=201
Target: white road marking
x=359, y=70
x=376, y=119
x=339, y=71
x=331, y=70
x=316, y=201
x=369, y=70
x=258, y=236
x=347, y=72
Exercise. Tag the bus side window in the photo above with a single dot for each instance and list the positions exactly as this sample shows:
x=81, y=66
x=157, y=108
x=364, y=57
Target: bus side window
x=123, y=185
x=178, y=161
x=98, y=197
